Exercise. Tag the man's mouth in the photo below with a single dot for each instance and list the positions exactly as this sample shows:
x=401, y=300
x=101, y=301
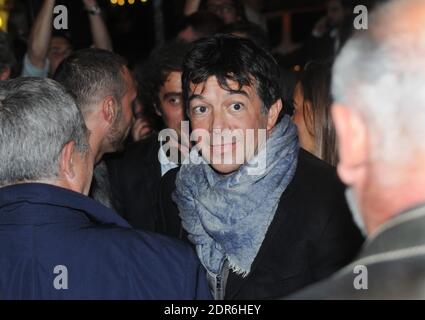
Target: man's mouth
x=223, y=148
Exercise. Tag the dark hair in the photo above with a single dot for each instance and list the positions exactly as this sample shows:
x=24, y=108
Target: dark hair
x=237, y=4
x=288, y=82
x=7, y=58
x=203, y=23
x=315, y=84
x=250, y=30
x=152, y=75
x=91, y=75
x=347, y=4
x=232, y=58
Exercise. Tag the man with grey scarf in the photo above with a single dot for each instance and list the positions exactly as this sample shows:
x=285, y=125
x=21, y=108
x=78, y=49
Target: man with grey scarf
x=266, y=217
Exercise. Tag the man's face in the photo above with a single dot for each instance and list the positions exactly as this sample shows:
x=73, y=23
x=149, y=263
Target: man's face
x=122, y=125
x=215, y=109
x=224, y=9
x=170, y=99
x=335, y=13
x=59, y=49
x=355, y=167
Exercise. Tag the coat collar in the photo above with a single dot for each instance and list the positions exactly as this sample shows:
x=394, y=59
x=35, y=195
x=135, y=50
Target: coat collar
x=401, y=237
x=400, y=233
x=46, y=196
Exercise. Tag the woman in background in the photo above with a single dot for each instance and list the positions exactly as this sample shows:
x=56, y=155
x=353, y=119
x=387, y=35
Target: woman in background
x=312, y=112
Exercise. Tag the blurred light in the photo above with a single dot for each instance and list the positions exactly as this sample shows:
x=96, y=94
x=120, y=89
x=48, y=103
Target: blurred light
x=297, y=68
x=123, y=2
x=4, y=15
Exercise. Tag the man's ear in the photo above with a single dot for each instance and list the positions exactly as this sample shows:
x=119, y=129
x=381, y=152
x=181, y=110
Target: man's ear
x=109, y=109
x=66, y=165
x=353, y=144
x=273, y=114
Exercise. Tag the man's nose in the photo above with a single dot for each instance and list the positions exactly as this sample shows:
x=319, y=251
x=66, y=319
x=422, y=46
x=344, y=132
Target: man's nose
x=218, y=126
x=218, y=121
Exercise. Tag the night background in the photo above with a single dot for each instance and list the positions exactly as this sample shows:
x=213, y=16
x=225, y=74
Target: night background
x=131, y=23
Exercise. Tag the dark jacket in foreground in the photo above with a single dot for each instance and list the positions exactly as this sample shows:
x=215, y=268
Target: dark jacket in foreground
x=135, y=177
x=311, y=236
x=390, y=266
x=58, y=244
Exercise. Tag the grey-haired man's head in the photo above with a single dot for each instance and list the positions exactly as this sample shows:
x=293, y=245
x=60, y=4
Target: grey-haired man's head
x=43, y=136
x=379, y=112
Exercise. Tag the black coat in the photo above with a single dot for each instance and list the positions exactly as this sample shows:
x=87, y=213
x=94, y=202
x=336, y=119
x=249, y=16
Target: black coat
x=135, y=177
x=311, y=236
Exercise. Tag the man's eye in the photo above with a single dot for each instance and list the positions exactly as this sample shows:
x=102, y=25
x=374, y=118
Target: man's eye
x=236, y=107
x=199, y=109
x=174, y=101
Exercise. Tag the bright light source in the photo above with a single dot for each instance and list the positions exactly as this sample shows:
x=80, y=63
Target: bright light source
x=121, y=2
x=131, y=1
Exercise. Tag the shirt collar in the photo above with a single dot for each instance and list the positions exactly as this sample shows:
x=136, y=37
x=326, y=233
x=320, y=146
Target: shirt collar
x=166, y=164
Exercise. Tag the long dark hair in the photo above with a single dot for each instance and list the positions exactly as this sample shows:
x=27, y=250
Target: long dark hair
x=315, y=83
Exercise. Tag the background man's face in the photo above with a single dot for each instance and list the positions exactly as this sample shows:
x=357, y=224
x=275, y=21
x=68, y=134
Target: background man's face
x=335, y=13
x=223, y=9
x=124, y=120
x=59, y=49
x=215, y=109
x=170, y=98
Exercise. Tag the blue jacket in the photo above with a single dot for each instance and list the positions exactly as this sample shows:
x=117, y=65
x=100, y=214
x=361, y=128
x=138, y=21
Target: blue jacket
x=58, y=244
